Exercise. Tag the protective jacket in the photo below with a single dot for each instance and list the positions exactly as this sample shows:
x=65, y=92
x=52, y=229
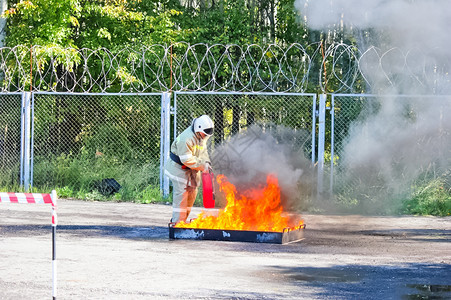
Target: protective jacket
x=192, y=154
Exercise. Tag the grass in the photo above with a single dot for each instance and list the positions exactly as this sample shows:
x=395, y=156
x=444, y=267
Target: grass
x=76, y=177
x=430, y=198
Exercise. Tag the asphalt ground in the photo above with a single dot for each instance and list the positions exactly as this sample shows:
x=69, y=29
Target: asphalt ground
x=108, y=250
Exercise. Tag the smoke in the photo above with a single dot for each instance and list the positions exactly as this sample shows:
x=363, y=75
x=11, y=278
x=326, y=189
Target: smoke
x=403, y=137
x=407, y=22
x=386, y=152
x=249, y=156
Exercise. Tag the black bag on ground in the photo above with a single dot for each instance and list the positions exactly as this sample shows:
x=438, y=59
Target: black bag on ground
x=107, y=186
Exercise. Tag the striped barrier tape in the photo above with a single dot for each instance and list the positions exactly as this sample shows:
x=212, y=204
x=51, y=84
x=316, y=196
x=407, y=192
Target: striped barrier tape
x=35, y=198
x=26, y=198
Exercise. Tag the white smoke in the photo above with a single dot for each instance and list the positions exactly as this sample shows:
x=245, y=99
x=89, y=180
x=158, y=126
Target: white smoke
x=251, y=155
x=408, y=21
x=406, y=136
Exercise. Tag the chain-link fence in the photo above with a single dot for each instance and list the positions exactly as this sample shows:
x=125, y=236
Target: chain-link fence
x=10, y=129
x=81, y=140
x=383, y=146
x=346, y=110
x=242, y=123
x=234, y=112
x=375, y=146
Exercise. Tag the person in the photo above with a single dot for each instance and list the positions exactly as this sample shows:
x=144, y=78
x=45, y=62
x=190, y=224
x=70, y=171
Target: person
x=189, y=157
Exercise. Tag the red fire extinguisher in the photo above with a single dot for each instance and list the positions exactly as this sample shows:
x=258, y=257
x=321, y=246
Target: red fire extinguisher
x=208, y=189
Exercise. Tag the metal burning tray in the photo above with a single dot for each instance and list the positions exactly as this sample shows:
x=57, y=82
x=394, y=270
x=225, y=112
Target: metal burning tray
x=287, y=236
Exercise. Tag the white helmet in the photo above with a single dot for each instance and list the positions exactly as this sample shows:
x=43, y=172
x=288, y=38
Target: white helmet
x=203, y=124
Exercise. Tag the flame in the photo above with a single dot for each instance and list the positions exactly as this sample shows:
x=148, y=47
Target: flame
x=253, y=209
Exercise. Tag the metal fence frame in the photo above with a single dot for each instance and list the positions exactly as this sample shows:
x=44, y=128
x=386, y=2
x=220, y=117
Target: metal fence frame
x=173, y=110
x=27, y=129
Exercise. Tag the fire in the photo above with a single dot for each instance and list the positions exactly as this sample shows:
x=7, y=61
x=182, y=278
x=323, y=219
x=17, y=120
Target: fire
x=253, y=209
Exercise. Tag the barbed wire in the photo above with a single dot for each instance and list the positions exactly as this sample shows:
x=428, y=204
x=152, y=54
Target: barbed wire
x=202, y=67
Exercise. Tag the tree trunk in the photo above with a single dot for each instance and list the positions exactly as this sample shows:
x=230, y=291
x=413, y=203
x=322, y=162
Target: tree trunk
x=272, y=21
x=252, y=18
x=221, y=8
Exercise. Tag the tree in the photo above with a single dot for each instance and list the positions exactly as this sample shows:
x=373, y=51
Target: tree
x=60, y=27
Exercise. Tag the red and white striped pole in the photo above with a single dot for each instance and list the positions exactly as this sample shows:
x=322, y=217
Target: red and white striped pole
x=54, y=222
x=39, y=199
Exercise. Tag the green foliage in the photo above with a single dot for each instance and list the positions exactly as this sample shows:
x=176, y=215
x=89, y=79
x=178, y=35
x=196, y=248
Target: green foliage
x=42, y=22
x=151, y=194
x=9, y=180
x=430, y=198
x=59, y=27
x=78, y=23
x=64, y=192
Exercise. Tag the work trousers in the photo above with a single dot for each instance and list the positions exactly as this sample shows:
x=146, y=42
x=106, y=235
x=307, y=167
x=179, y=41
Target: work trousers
x=184, y=183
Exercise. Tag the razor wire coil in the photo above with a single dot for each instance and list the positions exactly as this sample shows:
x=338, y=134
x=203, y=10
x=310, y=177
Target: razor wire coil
x=215, y=68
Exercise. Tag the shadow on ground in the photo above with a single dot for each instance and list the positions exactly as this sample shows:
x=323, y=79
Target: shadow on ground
x=136, y=233
x=406, y=281
x=427, y=235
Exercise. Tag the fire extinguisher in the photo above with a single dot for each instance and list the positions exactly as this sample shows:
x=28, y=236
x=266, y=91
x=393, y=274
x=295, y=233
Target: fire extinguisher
x=208, y=189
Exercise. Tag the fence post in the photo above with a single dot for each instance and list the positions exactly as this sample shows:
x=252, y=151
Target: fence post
x=321, y=139
x=25, y=138
x=314, y=115
x=332, y=142
x=165, y=140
